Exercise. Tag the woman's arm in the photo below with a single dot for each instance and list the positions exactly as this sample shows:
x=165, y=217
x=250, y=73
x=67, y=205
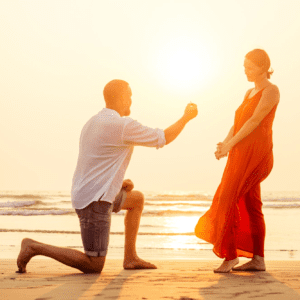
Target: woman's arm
x=229, y=136
x=269, y=99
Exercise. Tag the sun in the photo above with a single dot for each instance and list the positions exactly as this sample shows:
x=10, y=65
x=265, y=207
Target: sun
x=183, y=64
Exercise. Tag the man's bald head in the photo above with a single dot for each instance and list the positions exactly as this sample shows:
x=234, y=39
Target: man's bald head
x=114, y=90
x=117, y=95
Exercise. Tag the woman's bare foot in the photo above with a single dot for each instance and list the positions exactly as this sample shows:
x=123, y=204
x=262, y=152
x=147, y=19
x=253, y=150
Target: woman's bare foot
x=137, y=263
x=256, y=264
x=26, y=253
x=227, y=266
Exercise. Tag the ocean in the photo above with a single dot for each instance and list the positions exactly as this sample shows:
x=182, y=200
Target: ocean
x=166, y=229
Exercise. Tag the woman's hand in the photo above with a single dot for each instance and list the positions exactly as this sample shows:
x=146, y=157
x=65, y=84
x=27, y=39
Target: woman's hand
x=127, y=185
x=222, y=150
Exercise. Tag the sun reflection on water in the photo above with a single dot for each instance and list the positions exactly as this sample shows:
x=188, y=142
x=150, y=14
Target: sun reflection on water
x=183, y=229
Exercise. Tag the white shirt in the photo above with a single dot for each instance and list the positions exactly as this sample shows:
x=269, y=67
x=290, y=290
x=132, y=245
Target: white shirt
x=106, y=146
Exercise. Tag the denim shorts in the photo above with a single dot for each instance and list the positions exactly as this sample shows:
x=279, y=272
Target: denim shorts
x=95, y=220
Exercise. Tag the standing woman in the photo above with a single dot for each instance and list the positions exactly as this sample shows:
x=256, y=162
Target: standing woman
x=234, y=224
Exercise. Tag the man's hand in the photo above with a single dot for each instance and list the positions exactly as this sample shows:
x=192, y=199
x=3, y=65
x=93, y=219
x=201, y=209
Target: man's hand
x=190, y=111
x=127, y=185
x=172, y=132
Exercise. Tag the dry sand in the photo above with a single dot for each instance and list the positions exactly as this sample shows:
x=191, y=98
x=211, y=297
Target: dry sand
x=185, y=280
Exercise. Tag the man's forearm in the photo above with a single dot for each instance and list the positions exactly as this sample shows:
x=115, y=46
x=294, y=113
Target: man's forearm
x=174, y=130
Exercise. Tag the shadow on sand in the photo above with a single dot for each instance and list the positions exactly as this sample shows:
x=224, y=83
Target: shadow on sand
x=172, y=282
x=88, y=286
x=248, y=285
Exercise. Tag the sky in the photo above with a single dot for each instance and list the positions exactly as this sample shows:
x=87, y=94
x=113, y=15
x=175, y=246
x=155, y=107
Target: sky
x=57, y=56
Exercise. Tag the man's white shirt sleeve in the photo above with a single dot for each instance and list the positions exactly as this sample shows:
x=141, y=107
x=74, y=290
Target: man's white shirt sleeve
x=136, y=134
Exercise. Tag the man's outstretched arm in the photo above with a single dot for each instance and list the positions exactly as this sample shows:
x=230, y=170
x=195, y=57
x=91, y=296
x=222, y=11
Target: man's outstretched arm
x=172, y=132
x=137, y=134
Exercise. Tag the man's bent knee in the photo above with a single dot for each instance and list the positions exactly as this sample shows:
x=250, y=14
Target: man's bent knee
x=140, y=199
x=134, y=200
x=96, y=264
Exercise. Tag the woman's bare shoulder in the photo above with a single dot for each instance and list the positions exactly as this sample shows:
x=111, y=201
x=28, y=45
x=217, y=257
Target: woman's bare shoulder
x=272, y=92
x=272, y=88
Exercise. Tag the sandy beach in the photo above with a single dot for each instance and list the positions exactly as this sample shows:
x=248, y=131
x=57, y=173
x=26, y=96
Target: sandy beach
x=182, y=280
x=185, y=263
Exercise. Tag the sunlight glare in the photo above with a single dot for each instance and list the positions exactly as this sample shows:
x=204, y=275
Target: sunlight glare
x=182, y=224
x=184, y=64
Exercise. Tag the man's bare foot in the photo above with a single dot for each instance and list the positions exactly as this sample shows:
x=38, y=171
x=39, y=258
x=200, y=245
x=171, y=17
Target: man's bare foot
x=256, y=264
x=26, y=253
x=137, y=263
x=227, y=266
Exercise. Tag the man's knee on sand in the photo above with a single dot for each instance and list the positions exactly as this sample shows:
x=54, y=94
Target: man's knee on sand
x=95, y=264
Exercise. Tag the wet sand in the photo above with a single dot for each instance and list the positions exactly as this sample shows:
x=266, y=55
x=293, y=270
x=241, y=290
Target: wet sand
x=182, y=279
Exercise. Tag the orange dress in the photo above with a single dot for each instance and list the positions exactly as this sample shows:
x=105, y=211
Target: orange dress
x=234, y=224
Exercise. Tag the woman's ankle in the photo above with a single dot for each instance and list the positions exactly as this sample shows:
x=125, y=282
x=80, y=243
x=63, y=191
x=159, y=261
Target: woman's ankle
x=258, y=257
x=229, y=259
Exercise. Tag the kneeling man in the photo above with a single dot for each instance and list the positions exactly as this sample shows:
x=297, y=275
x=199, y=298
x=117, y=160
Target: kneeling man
x=99, y=188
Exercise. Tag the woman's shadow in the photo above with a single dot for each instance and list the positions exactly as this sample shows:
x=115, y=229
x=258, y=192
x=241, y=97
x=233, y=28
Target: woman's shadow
x=247, y=285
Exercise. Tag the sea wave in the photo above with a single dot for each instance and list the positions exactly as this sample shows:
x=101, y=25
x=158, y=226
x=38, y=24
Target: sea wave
x=150, y=213
x=183, y=193
x=17, y=203
x=34, y=196
x=175, y=203
x=37, y=212
x=25, y=196
x=292, y=205
x=48, y=198
x=113, y=233
x=281, y=199
x=209, y=199
x=172, y=213
x=179, y=197
x=206, y=206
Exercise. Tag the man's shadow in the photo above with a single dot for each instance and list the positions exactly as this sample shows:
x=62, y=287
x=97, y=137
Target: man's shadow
x=244, y=285
x=93, y=286
x=71, y=286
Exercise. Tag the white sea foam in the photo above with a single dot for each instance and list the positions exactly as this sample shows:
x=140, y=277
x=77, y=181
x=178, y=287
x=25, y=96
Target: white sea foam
x=282, y=199
x=112, y=232
x=285, y=205
x=156, y=204
x=17, y=203
x=35, y=212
